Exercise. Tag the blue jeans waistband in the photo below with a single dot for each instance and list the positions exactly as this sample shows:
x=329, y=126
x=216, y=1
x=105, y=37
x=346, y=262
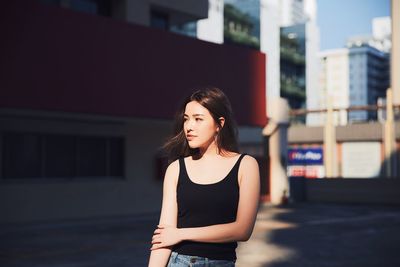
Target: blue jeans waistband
x=179, y=260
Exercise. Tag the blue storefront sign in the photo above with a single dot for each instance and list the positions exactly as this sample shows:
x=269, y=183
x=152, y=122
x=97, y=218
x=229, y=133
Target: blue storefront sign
x=305, y=156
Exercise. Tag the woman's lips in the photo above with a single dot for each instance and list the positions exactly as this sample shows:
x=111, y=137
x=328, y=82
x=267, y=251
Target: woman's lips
x=190, y=137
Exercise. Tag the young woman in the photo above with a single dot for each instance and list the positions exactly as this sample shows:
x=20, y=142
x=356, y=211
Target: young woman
x=210, y=193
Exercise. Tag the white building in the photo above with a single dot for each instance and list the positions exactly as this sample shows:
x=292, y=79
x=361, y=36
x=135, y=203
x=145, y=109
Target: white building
x=291, y=12
x=211, y=29
x=270, y=45
x=312, y=61
x=380, y=38
x=357, y=75
x=382, y=33
x=354, y=76
x=334, y=81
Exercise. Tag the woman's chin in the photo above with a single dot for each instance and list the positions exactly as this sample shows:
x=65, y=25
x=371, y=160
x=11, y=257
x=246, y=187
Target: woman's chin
x=192, y=146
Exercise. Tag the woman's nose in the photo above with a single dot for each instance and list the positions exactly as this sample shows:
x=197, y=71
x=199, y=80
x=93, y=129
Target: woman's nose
x=190, y=125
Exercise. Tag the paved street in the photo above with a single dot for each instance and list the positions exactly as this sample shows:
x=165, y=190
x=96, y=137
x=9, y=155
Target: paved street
x=293, y=235
x=319, y=235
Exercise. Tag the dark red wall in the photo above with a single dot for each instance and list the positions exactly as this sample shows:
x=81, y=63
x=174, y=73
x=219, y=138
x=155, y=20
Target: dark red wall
x=61, y=60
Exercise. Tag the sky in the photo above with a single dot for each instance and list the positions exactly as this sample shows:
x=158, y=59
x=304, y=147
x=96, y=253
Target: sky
x=340, y=19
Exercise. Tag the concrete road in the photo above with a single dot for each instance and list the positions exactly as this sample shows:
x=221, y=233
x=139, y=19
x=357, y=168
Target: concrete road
x=309, y=235
x=293, y=235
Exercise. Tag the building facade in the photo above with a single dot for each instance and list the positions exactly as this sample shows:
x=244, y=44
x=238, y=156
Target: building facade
x=259, y=24
x=354, y=76
x=334, y=82
x=293, y=65
x=87, y=101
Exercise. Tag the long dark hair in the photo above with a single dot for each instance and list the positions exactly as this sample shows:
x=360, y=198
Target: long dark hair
x=216, y=102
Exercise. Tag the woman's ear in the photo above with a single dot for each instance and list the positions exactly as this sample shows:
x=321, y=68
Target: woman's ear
x=221, y=122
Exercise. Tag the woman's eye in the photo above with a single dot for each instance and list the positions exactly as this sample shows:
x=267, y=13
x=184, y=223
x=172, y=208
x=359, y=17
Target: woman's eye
x=198, y=119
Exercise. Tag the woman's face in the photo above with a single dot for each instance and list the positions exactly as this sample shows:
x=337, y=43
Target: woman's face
x=199, y=126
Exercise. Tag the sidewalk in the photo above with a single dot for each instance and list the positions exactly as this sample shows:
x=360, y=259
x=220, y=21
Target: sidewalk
x=294, y=235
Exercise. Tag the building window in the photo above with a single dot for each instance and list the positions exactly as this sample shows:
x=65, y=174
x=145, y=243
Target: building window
x=91, y=155
x=117, y=157
x=22, y=155
x=60, y=154
x=159, y=20
x=96, y=7
x=27, y=155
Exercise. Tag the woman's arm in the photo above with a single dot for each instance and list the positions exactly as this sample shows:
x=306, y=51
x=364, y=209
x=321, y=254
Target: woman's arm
x=239, y=230
x=169, y=213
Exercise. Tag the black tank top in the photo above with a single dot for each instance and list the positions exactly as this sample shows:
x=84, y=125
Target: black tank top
x=204, y=205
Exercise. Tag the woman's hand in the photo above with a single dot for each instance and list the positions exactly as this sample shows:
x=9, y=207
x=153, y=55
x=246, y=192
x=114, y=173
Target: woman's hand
x=165, y=236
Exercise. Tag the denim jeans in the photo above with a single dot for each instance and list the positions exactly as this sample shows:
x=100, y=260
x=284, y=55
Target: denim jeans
x=179, y=260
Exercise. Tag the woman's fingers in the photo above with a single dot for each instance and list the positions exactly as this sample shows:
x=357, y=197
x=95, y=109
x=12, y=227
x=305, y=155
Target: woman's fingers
x=156, y=238
x=155, y=242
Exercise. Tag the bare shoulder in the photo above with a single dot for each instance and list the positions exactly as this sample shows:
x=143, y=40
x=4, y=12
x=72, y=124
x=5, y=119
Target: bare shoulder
x=173, y=166
x=172, y=172
x=248, y=170
x=248, y=163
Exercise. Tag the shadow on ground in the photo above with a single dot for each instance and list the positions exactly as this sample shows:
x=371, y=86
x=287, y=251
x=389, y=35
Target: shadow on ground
x=306, y=235
x=327, y=235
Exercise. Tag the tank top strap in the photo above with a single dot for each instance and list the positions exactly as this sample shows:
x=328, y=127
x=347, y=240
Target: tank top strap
x=235, y=169
x=241, y=156
x=183, y=177
x=239, y=160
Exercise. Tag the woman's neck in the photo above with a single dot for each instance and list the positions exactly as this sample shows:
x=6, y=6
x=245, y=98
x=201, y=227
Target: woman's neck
x=209, y=151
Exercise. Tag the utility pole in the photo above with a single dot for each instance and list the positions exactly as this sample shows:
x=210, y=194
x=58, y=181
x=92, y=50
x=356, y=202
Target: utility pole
x=395, y=54
x=329, y=141
x=389, y=135
x=395, y=75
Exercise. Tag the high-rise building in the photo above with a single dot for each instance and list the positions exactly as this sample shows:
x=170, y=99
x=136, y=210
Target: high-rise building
x=291, y=21
x=357, y=75
x=293, y=65
x=294, y=23
x=270, y=45
x=257, y=24
x=291, y=12
x=298, y=23
x=354, y=76
x=211, y=29
x=334, y=82
x=382, y=34
x=312, y=61
x=242, y=23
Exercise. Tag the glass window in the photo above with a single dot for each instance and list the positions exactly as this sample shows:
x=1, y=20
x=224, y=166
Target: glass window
x=22, y=155
x=92, y=160
x=60, y=156
x=159, y=20
x=26, y=155
x=116, y=157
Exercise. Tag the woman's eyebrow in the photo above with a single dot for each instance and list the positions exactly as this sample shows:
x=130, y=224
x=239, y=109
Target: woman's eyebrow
x=194, y=115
